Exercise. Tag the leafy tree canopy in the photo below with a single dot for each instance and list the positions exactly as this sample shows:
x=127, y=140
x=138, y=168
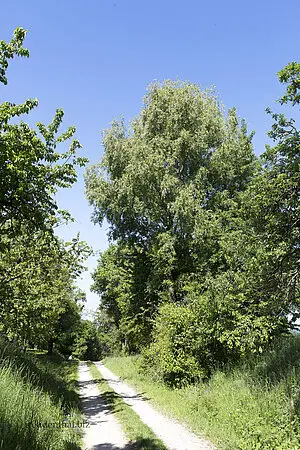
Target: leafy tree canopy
x=31, y=169
x=167, y=186
x=37, y=270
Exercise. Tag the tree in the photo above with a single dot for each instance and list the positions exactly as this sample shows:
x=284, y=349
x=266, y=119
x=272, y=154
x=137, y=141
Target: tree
x=87, y=345
x=37, y=284
x=31, y=170
x=167, y=187
x=119, y=279
x=69, y=323
x=108, y=334
x=272, y=205
x=211, y=233
x=37, y=270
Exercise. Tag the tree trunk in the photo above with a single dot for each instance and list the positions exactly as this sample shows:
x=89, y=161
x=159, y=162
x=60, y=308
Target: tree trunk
x=50, y=346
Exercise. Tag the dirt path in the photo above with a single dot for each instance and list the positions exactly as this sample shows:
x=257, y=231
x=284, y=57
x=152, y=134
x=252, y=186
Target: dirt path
x=103, y=432
x=174, y=435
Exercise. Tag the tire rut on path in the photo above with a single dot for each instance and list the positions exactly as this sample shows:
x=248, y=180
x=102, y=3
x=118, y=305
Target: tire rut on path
x=174, y=435
x=104, y=431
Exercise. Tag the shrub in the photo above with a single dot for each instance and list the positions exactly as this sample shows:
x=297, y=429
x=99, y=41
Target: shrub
x=173, y=355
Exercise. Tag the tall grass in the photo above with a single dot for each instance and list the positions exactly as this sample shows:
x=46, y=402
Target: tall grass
x=38, y=402
x=253, y=406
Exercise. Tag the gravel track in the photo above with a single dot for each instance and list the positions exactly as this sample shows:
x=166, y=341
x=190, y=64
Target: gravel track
x=103, y=432
x=174, y=435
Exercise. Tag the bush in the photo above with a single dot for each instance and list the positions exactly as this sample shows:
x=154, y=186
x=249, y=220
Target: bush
x=189, y=341
x=174, y=356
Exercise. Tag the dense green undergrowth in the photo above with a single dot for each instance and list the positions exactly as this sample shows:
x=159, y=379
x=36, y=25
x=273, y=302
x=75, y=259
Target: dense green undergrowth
x=253, y=406
x=39, y=404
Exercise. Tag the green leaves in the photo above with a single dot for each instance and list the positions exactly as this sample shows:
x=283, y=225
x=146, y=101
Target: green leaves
x=37, y=271
x=290, y=75
x=37, y=283
x=274, y=204
x=10, y=50
x=167, y=187
x=30, y=167
x=211, y=232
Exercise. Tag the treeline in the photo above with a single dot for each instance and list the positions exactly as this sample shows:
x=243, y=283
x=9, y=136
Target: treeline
x=39, y=302
x=203, y=265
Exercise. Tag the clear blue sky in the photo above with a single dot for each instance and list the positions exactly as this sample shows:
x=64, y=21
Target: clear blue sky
x=95, y=59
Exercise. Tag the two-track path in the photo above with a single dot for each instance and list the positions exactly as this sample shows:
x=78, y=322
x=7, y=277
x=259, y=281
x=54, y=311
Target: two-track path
x=105, y=433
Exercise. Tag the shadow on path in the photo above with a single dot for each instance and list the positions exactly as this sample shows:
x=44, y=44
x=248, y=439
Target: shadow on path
x=139, y=444
x=137, y=396
x=93, y=405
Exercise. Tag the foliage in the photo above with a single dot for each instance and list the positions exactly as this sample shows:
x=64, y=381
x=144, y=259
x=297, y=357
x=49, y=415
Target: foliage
x=119, y=279
x=31, y=168
x=168, y=188
x=69, y=324
x=37, y=270
x=205, y=237
x=108, y=334
x=40, y=275
x=10, y=50
x=87, y=345
x=172, y=356
x=189, y=341
x=272, y=205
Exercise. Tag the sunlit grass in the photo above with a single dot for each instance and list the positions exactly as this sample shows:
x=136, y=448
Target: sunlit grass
x=254, y=406
x=37, y=398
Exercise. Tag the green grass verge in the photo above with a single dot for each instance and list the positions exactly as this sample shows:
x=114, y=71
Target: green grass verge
x=141, y=437
x=255, y=406
x=38, y=401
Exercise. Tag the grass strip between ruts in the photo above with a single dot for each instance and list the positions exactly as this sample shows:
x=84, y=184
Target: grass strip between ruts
x=141, y=437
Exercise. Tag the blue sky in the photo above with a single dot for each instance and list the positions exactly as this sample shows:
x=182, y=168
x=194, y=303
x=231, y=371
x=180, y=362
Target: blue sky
x=95, y=59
